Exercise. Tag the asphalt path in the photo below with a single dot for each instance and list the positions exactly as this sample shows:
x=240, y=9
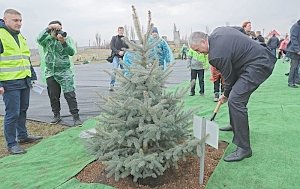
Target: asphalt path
x=91, y=80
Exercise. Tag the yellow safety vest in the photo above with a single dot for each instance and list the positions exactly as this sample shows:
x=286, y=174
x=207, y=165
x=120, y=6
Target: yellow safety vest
x=14, y=61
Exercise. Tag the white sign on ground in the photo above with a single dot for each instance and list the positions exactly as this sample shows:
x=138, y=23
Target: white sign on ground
x=203, y=128
x=211, y=128
x=88, y=133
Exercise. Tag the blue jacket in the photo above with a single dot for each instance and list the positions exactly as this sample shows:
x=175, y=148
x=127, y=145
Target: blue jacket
x=162, y=52
x=19, y=83
x=294, y=45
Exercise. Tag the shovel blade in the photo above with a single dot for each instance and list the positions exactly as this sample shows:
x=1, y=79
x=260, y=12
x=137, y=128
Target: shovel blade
x=211, y=129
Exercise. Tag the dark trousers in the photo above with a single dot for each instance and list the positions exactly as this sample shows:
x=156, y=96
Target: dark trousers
x=273, y=51
x=200, y=74
x=16, y=105
x=54, y=91
x=281, y=53
x=294, y=72
x=217, y=85
x=238, y=99
x=183, y=56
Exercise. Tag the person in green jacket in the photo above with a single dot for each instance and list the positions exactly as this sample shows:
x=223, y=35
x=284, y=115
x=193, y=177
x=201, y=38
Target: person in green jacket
x=197, y=63
x=56, y=66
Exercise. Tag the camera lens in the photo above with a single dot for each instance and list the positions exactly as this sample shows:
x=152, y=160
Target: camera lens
x=63, y=33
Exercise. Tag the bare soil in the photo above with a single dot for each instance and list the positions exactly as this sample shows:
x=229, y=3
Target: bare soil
x=185, y=177
x=34, y=128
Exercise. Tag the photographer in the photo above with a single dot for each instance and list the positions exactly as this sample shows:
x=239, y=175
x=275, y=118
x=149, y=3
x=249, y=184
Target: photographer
x=57, y=69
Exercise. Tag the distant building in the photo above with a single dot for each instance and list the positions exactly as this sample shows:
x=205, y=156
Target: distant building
x=176, y=35
x=271, y=33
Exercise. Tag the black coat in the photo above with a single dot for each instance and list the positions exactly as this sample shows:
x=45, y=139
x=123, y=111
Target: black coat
x=231, y=51
x=273, y=42
x=117, y=45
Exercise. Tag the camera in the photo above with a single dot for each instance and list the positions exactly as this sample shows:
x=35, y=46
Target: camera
x=61, y=32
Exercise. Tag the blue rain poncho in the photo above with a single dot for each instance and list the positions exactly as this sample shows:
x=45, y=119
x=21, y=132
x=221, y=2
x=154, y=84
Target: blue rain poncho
x=162, y=52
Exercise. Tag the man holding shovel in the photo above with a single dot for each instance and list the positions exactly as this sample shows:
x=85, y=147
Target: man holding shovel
x=244, y=64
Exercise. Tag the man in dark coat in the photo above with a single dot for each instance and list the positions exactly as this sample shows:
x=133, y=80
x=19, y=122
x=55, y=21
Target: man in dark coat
x=273, y=44
x=118, y=47
x=244, y=65
x=293, y=52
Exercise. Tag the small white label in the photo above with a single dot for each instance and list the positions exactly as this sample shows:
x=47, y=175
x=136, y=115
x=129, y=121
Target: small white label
x=37, y=88
x=212, y=130
x=88, y=133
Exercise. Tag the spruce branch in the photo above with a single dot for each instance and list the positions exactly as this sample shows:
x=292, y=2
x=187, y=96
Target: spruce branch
x=137, y=24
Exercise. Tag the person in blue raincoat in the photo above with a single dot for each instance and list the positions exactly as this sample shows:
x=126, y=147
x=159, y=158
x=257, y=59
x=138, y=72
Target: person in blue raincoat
x=161, y=51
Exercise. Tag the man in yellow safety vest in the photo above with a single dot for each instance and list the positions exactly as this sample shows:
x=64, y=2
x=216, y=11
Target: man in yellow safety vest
x=16, y=77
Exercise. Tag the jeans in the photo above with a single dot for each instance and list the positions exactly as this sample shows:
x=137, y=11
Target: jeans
x=115, y=64
x=16, y=105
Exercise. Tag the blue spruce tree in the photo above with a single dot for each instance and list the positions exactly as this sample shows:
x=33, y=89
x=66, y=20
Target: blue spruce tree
x=143, y=130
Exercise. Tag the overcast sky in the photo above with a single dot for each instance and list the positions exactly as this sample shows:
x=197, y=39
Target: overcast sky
x=82, y=19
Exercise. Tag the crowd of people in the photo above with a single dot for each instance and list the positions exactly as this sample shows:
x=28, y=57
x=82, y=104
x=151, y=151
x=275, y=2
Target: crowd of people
x=240, y=61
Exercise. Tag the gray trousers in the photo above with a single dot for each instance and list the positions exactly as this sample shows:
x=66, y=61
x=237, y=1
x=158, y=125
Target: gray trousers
x=245, y=85
x=294, y=72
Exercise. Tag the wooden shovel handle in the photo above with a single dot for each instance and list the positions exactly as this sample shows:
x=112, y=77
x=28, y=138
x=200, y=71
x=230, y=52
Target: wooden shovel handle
x=218, y=106
x=216, y=110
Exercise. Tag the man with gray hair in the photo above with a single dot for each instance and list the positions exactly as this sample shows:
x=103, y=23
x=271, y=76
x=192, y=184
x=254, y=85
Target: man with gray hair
x=244, y=64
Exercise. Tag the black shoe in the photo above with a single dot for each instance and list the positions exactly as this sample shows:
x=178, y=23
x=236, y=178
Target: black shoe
x=227, y=128
x=111, y=87
x=76, y=120
x=16, y=149
x=29, y=139
x=287, y=74
x=192, y=94
x=293, y=85
x=238, y=155
x=56, y=119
